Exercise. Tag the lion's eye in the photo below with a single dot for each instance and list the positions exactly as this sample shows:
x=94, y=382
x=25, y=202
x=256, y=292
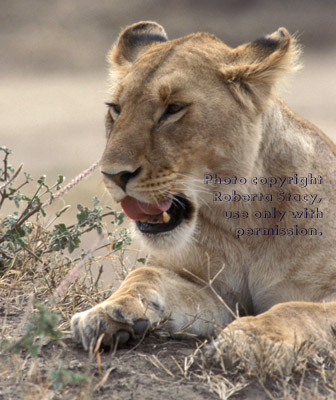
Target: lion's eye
x=171, y=109
x=114, y=107
x=174, y=108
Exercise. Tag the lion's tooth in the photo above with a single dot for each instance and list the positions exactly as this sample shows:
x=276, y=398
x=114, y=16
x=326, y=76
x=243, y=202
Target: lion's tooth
x=165, y=217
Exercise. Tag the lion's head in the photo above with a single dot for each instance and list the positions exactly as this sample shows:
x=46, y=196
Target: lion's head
x=178, y=110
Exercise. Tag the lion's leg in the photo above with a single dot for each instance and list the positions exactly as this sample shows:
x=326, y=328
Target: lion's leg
x=281, y=330
x=147, y=296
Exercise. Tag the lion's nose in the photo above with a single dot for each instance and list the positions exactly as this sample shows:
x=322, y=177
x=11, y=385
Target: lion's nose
x=121, y=178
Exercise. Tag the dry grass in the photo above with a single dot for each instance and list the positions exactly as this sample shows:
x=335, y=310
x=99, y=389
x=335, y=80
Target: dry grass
x=63, y=371
x=25, y=285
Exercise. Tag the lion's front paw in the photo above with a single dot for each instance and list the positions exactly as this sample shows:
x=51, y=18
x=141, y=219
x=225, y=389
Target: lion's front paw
x=253, y=354
x=110, y=320
x=219, y=352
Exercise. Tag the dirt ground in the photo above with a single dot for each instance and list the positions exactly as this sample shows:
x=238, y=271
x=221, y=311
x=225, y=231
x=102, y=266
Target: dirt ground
x=53, y=88
x=157, y=367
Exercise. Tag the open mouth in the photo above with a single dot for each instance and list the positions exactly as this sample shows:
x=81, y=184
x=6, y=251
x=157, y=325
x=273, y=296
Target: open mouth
x=158, y=218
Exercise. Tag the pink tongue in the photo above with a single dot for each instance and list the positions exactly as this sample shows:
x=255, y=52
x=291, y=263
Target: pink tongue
x=137, y=210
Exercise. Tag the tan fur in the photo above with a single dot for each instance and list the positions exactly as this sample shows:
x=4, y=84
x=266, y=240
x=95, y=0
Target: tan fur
x=234, y=124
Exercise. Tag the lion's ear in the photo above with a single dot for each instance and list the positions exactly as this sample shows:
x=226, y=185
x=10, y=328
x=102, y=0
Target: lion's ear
x=259, y=65
x=134, y=40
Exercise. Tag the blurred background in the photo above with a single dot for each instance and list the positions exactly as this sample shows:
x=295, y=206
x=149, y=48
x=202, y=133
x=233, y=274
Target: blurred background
x=53, y=73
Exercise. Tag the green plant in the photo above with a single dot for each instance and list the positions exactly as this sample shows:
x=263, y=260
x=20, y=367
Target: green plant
x=41, y=324
x=61, y=376
x=26, y=240
x=17, y=228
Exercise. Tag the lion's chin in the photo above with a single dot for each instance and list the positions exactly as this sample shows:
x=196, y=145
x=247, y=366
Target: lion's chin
x=180, y=211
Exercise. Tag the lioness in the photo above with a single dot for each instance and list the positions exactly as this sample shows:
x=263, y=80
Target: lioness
x=232, y=194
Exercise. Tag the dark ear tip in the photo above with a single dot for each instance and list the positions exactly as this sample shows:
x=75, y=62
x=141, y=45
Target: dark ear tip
x=283, y=37
x=277, y=39
x=268, y=42
x=144, y=28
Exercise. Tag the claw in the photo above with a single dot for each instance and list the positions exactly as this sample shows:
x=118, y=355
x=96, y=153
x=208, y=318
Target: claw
x=121, y=337
x=140, y=327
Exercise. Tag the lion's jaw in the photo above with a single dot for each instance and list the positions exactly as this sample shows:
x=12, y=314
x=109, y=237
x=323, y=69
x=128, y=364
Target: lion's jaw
x=161, y=204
